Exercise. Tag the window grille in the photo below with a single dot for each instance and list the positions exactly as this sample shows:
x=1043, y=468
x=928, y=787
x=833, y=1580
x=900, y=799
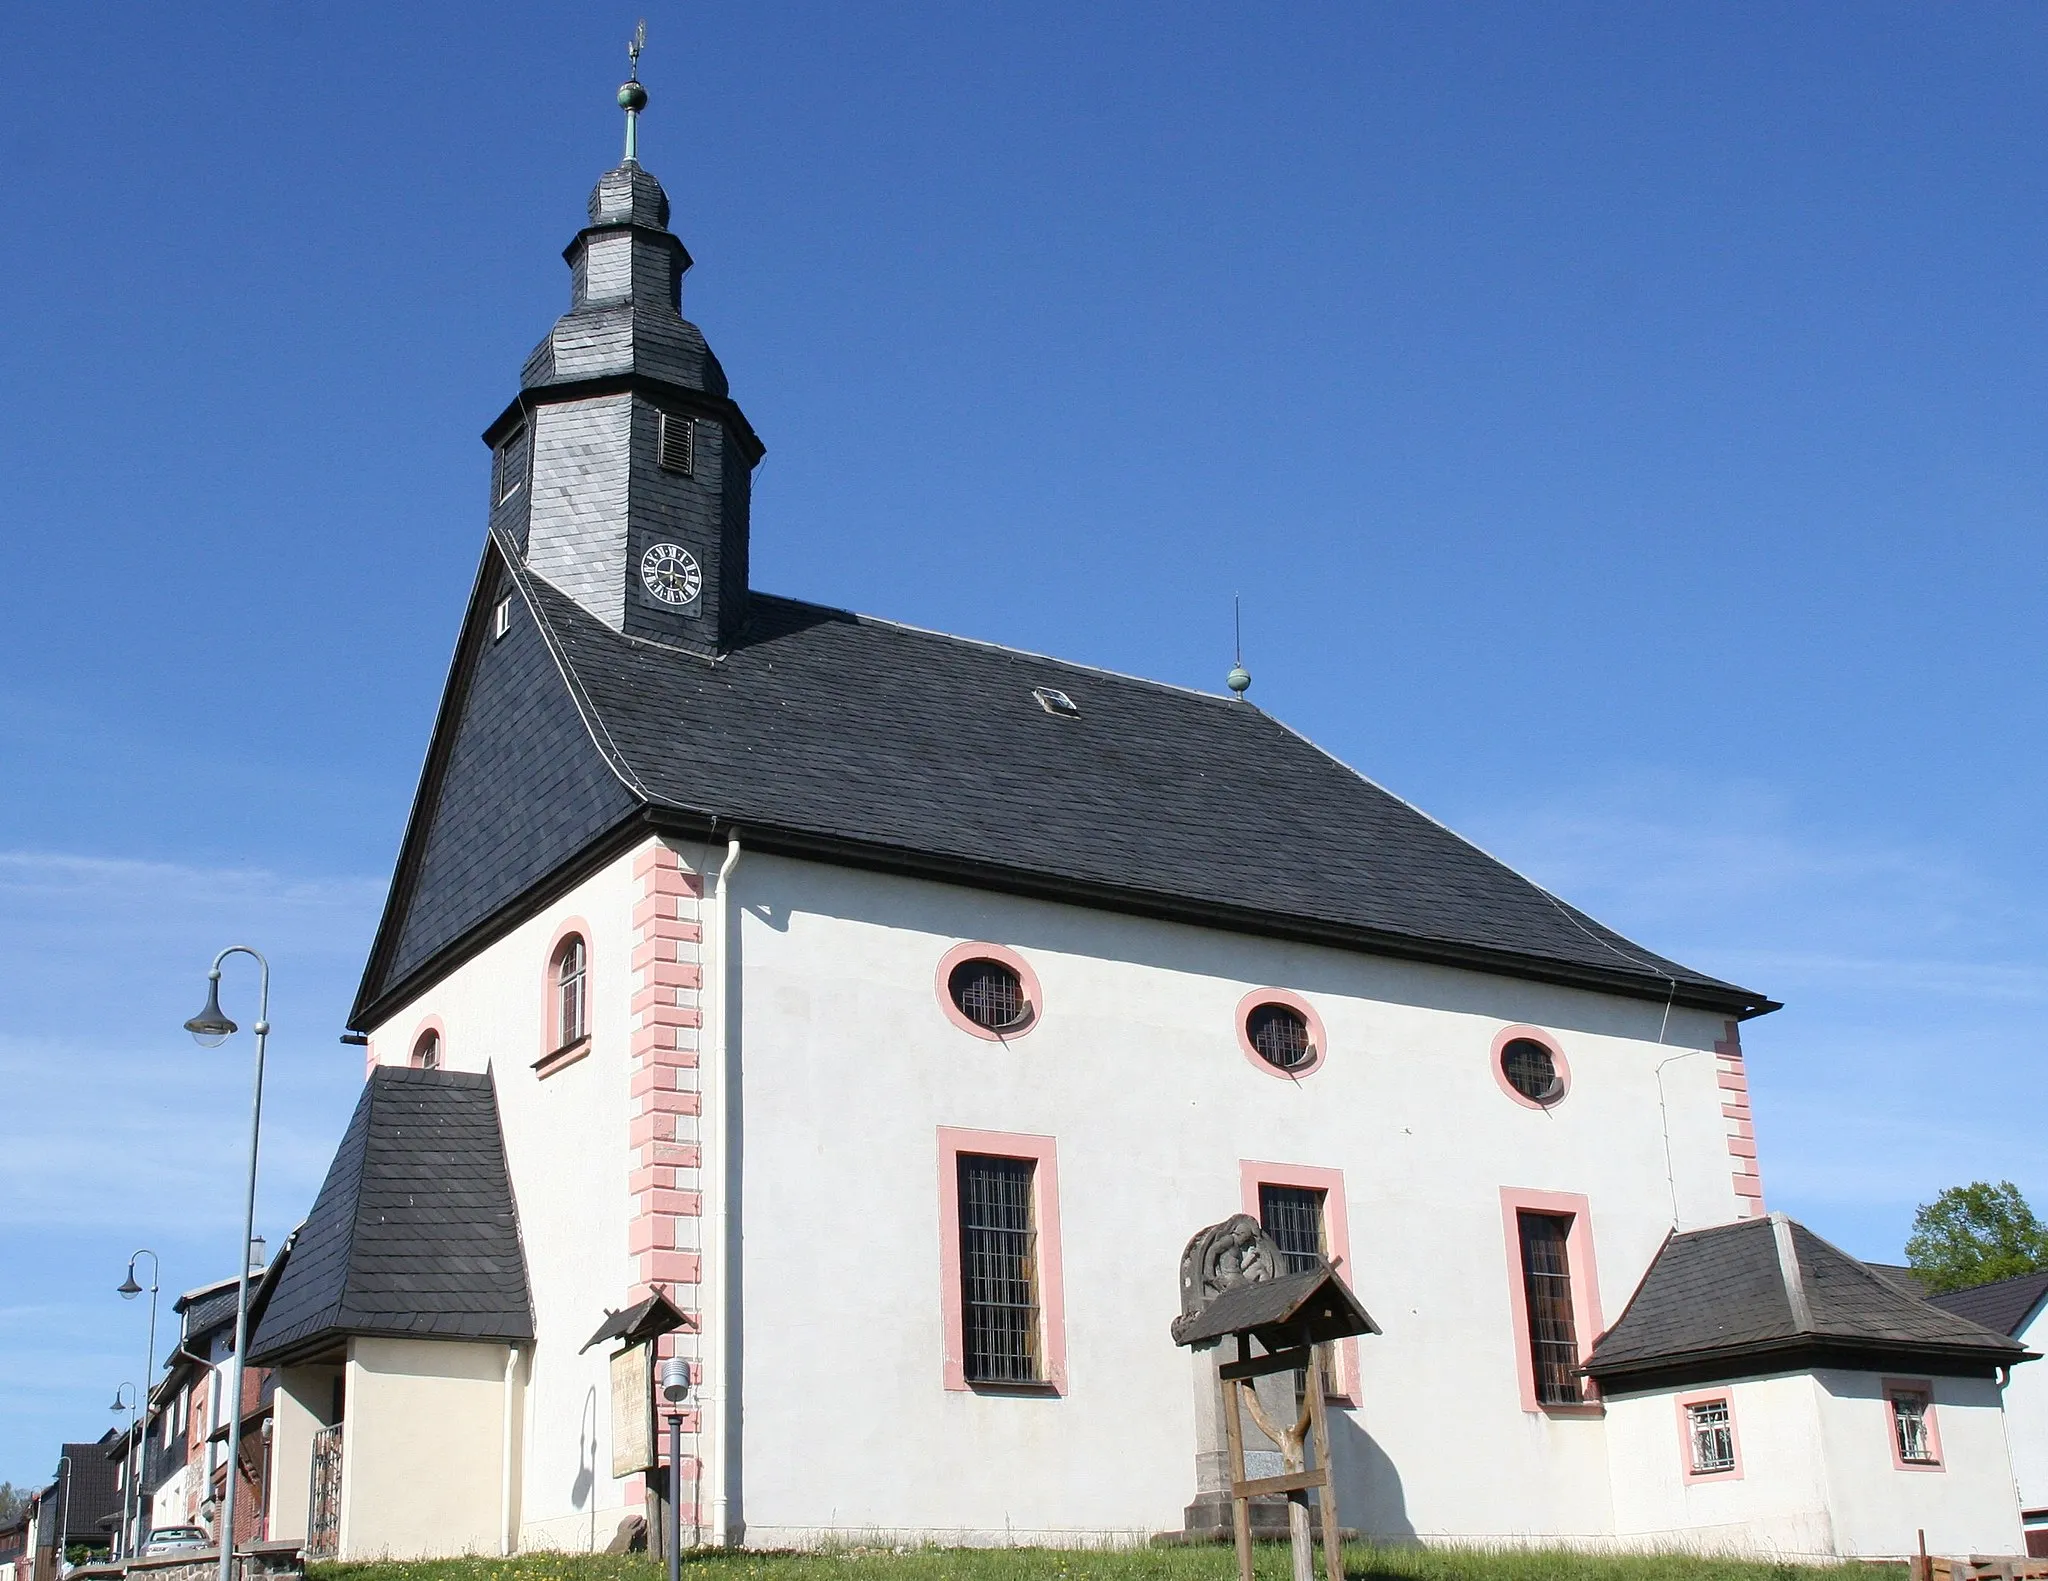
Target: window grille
x=1713, y=1439
x=511, y=466
x=1293, y=1216
x=571, y=978
x=989, y=993
x=678, y=444
x=1909, y=1428
x=1547, y=1282
x=998, y=1270
x=1280, y=1034
x=426, y=1054
x=1530, y=1070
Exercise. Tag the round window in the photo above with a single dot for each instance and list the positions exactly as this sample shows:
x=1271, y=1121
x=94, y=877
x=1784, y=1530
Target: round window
x=990, y=994
x=1280, y=1034
x=1531, y=1070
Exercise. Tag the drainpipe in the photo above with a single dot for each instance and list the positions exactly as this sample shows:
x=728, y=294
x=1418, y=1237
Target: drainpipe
x=718, y=1174
x=508, y=1536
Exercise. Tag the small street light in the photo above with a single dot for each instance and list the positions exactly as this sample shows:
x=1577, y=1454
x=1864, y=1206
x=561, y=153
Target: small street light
x=209, y=1029
x=675, y=1389
x=131, y=1506
x=129, y=1405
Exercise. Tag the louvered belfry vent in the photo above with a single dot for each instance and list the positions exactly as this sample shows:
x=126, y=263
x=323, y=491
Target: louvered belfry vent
x=678, y=444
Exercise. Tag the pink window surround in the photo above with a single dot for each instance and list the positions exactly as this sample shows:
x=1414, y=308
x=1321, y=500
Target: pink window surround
x=1507, y=1035
x=1254, y=1173
x=1924, y=1389
x=1684, y=1403
x=1586, y=1322
x=1042, y=1151
x=973, y=951
x=556, y=1055
x=430, y=1026
x=1318, y=1039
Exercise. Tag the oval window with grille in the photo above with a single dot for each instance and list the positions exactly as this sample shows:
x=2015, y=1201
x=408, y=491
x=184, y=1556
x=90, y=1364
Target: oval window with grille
x=1280, y=1035
x=1531, y=1070
x=990, y=993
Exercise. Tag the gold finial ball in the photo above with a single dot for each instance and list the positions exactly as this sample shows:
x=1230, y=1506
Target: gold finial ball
x=632, y=96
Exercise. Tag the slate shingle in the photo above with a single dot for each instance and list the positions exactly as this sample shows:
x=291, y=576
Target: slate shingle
x=2004, y=1305
x=414, y=1233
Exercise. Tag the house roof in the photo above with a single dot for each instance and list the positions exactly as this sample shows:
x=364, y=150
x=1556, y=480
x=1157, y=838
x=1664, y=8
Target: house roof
x=90, y=1493
x=1900, y=1277
x=1767, y=1294
x=414, y=1232
x=2004, y=1304
x=853, y=739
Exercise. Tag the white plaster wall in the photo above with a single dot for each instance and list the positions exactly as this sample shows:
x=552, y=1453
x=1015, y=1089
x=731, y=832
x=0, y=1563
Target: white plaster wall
x=2026, y=1415
x=565, y=1141
x=423, y=1449
x=1967, y=1506
x=304, y=1396
x=850, y=1068
x=1778, y=1506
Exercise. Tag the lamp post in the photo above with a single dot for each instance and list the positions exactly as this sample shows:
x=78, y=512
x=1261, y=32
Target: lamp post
x=210, y=1028
x=675, y=1389
x=128, y=1482
x=128, y=1290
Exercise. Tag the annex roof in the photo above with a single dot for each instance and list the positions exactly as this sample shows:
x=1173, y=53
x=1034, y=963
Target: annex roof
x=2004, y=1304
x=414, y=1233
x=859, y=740
x=1766, y=1294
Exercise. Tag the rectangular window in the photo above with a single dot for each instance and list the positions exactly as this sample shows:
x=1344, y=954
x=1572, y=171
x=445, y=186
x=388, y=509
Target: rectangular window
x=1302, y=1208
x=1712, y=1436
x=1915, y=1443
x=510, y=467
x=678, y=444
x=1293, y=1216
x=1547, y=1287
x=501, y=619
x=1001, y=1301
x=998, y=1270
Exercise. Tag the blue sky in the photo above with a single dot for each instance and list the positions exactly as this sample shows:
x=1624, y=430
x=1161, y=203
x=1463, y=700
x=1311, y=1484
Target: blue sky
x=1624, y=425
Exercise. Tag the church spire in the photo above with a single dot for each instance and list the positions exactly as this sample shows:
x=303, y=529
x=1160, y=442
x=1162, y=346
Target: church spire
x=623, y=468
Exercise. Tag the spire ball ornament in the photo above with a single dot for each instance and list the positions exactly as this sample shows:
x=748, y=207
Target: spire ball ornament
x=632, y=97
x=1239, y=680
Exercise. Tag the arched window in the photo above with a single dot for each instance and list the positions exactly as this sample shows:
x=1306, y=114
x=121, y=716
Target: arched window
x=426, y=1053
x=572, y=999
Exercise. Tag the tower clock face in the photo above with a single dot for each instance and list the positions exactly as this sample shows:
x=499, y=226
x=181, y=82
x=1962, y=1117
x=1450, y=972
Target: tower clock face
x=670, y=573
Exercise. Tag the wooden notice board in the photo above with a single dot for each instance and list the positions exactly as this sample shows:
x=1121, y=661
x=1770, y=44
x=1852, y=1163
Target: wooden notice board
x=633, y=1410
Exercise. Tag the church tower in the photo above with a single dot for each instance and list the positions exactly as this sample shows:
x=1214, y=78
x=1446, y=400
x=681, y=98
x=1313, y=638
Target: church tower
x=621, y=475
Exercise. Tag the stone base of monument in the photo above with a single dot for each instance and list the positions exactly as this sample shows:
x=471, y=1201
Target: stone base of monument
x=1207, y=1520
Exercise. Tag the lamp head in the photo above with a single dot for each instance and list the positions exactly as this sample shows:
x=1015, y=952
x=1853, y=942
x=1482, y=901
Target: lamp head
x=128, y=1289
x=675, y=1380
x=210, y=1028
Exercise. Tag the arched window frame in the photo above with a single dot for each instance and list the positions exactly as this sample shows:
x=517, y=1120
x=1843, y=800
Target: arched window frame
x=1319, y=1040
x=430, y=1028
x=561, y=1044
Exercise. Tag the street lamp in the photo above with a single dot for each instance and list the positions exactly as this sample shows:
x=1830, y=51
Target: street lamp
x=675, y=1389
x=128, y=1487
x=128, y=1290
x=210, y=1028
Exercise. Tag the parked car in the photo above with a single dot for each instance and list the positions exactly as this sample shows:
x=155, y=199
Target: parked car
x=174, y=1540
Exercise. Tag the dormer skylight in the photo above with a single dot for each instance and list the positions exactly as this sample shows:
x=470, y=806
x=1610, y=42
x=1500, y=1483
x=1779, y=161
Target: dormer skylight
x=1056, y=702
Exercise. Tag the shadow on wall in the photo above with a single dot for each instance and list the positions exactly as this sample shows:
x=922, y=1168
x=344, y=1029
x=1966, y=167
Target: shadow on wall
x=1370, y=1499
x=583, y=1489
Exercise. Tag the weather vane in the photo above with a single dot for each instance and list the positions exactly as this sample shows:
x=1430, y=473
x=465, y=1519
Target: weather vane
x=633, y=97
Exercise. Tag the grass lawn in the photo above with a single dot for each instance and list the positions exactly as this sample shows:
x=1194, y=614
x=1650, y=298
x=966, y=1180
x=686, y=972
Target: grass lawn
x=1131, y=1564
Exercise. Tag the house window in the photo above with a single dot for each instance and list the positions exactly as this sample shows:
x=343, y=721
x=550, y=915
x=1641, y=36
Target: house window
x=426, y=1053
x=501, y=618
x=572, y=977
x=1293, y=1216
x=989, y=991
x=1280, y=1033
x=1302, y=1208
x=1914, y=1441
x=510, y=467
x=1000, y=1303
x=998, y=1270
x=1530, y=1067
x=1710, y=1435
x=1547, y=1289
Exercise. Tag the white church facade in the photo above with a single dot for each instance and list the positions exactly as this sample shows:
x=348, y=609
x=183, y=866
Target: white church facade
x=896, y=1006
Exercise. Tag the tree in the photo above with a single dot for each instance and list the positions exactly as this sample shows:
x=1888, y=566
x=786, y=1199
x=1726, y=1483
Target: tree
x=12, y=1501
x=1971, y=1235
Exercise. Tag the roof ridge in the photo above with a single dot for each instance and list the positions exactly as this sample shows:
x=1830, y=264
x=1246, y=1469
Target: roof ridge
x=1789, y=1271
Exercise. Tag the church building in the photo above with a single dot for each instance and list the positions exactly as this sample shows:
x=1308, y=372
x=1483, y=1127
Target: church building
x=869, y=1016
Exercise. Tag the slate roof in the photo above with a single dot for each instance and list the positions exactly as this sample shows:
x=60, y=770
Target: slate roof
x=414, y=1233
x=1767, y=1294
x=89, y=1493
x=2004, y=1304
x=1900, y=1277
x=853, y=739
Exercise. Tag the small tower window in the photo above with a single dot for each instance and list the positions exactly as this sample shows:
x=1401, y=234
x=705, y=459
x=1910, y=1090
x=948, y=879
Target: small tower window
x=501, y=619
x=511, y=466
x=1280, y=1034
x=572, y=975
x=426, y=1053
x=990, y=994
x=678, y=444
x=1531, y=1071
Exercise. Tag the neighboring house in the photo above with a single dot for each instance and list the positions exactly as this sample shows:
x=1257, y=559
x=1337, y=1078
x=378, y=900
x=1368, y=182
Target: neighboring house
x=14, y=1546
x=2016, y=1307
x=89, y=1493
x=901, y=1004
x=184, y=1465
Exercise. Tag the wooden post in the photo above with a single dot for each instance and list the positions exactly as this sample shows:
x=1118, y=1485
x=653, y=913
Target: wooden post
x=1319, y=1429
x=1233, y=1434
